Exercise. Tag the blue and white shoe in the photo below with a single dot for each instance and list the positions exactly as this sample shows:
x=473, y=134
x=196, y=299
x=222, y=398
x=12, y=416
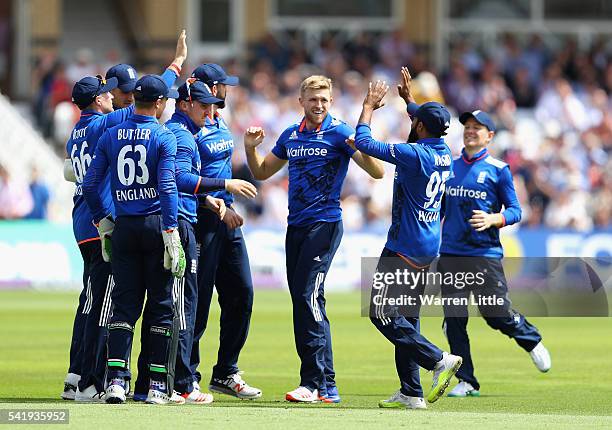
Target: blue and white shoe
x=332, y=395
x=115, y=392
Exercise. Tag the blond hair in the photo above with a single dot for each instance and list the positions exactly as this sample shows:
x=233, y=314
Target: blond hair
x=316, y=82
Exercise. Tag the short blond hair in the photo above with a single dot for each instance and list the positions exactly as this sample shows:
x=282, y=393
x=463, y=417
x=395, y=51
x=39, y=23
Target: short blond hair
x=316, y=82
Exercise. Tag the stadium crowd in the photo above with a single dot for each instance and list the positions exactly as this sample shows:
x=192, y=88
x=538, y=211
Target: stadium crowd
x=552, y=106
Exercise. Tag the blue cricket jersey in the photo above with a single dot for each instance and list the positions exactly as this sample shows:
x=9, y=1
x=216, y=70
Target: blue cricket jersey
x=318, y=162
x=81, y=147
x=421, y=171
x=139, y=155
x=188, y=165
x=216, y=146
x=484, y=183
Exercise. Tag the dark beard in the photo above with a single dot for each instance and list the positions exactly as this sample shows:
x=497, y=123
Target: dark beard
x=221, y=104
x=413, y=136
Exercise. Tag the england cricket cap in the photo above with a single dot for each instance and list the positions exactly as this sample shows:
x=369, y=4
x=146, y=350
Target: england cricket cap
x=126, y=77
x=480, y=117
x=150, y=88
x=198, y=91
x=213, y=74
x=87, y=89
x=434, y=116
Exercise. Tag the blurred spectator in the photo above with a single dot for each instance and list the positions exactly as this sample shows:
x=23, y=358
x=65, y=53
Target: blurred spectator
x=83, y=66
x=552, y=108
x=15, y=197
x=40, y=196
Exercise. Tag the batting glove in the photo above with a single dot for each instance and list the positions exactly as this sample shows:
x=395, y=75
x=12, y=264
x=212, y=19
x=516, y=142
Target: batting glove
x=174, y=256
x=105, y=230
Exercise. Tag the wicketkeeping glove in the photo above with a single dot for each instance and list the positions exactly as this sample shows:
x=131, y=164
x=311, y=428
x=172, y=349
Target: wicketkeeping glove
x=174, y=256
x=105, y=230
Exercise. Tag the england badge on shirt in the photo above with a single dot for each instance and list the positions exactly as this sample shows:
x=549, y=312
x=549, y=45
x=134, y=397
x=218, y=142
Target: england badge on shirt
x=481, y=177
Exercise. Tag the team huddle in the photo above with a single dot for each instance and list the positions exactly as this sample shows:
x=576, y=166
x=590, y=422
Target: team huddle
x=153, y=217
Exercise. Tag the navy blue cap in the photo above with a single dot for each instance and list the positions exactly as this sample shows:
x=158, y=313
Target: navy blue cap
x=480, y=117
x=126, y=76
x=434, y=116
x=198, y=91
x=150, y=88
x=213, y=74
x=87, y=89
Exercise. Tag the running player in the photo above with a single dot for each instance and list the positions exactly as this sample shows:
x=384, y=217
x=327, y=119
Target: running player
x=318, y=161
x=422, y=166
x=481, y=185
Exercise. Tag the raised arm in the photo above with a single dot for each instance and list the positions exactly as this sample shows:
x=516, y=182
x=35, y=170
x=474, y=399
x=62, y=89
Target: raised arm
x=403, y=154
x=174, y=69
x=261, y=167
x=369, y=164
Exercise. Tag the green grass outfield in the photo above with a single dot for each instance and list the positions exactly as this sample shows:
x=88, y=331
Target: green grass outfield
x=34, y=339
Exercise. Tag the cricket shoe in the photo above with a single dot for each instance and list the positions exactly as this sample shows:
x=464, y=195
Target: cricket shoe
x=332, y=395
x=158, y=395
x=541, y=358
x=115, y=392
x=464, y=389
x=234, y=385
x=70, y=386
x=302, y=395
x=197, y=397
x=402, y=401
x=89, y=395
x=444, y=370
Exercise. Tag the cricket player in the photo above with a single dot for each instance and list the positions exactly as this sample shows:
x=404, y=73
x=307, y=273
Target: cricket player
x=94, y=97
x=223, y=257
x=423, y=164
x=318, y=161
x=139, y=156
x=193, y=107
x=473, y=203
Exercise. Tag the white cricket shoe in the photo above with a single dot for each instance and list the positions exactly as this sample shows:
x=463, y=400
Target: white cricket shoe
x=197, y=397
x=115, y=392
x=302, y=395
x=464, y=389
x=89, y=395
x=541, y=357
x=70, y=386
x=235, y=386
x=444, y=370
x=401, y=401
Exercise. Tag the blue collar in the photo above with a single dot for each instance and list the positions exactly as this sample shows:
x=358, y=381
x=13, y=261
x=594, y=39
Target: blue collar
x=478, y=156
x=183, y=118
x=90, y=112
x=432, y=141
x=323, y=126
x=143, y=118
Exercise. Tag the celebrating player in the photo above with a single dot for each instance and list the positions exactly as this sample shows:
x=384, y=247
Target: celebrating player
x=422, y=167
x=94, y=97
x=139, y=155
x=224, y=261
x=481, y=185
x=318, y=161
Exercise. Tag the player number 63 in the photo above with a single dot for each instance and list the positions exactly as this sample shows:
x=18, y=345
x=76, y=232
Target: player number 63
x=126, y=162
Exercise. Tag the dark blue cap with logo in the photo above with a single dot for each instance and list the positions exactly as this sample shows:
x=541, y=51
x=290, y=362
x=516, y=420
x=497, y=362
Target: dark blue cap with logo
x=197, y=91
x=434, y=116
x=150, y=88
x=480, y=117
x=126, y=77
x=213, y=74
x=87, y=89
